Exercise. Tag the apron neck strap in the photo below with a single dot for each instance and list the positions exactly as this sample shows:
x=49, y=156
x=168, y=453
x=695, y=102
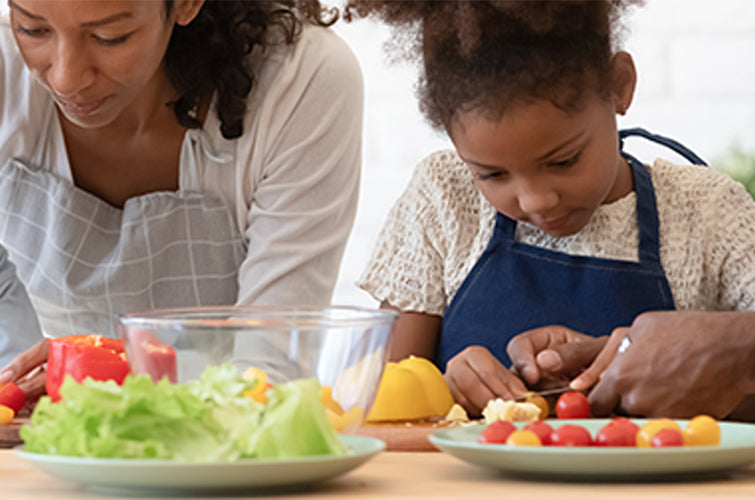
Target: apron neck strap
x=673, y=145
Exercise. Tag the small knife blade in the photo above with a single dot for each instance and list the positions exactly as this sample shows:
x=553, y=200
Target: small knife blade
x=547, y=392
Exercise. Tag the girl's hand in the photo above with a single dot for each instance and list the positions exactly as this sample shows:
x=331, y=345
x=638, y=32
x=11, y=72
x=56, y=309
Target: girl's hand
x=27, y=370
x=551, y=356
x=475, y=376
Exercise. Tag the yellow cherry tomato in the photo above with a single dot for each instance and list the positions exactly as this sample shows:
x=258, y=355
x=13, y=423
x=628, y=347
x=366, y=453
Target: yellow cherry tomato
x=540, y=402
x=648, y=430
x=702, y=431
x=6, y=415
x=523, y=438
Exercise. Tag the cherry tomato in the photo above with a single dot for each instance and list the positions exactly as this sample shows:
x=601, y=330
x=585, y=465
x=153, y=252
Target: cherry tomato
x=542, y=430
x=702, y=431
x=12, y=396
x=496, y=433
x=541, y=403
x=572, y=405
x=618, y=432
x=667, y=437
x=6, y=415
x=523, y=438
x=648, y=430
x=571, y=435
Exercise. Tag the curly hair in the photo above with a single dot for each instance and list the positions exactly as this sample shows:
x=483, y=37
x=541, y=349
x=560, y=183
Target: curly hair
x=210, y=54
x=483, y=56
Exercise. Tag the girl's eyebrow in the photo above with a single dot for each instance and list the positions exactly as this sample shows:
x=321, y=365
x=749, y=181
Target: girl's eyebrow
x=88, y=24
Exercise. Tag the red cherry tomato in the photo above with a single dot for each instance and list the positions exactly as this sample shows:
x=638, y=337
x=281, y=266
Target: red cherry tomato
x=667, y=437
x=571, y=435
x=12, y=397
x=542, y=430
x=572, y=405
x=496, y=433
x=618, y=432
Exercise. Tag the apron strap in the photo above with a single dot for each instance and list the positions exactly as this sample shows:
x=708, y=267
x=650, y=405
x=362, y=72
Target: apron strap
x=673, y=145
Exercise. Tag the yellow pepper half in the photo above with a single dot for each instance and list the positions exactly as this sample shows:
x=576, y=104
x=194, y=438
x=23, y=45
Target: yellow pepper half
x=411, y=389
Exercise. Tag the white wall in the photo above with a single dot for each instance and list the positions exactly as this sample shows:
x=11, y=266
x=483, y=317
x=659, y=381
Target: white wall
x=696, y=65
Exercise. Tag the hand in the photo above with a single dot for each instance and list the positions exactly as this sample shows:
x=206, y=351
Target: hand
x=27, y=370
x=679, y=364
x=551, y=356
x=475, y=376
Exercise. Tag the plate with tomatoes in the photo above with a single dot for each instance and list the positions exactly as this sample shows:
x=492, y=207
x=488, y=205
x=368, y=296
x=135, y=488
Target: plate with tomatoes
x=588, y=448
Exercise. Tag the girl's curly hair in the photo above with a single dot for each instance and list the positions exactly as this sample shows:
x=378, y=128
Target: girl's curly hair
x=210, y=54
x=483, y=56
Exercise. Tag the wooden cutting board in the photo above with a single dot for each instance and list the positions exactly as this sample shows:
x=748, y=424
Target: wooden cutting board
x=9, y=433
x=403, y=436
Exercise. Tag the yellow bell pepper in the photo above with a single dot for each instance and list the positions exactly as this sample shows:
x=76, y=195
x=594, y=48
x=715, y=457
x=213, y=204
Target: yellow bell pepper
x=411, y=389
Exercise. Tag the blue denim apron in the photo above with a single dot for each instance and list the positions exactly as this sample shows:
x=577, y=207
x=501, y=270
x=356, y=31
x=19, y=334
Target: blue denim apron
x=515, y=287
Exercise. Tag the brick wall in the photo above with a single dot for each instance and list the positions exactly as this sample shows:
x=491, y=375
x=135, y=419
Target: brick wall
x=696, y=65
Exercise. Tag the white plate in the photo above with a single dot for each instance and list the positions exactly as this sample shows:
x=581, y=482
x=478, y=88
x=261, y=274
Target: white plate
x=737, y=449
x=114, y=473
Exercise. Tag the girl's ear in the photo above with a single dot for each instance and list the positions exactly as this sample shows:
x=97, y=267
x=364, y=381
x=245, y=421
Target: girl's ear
x=624, y=81
x=186, y=10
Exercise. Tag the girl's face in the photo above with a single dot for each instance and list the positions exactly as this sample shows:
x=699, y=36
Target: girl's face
x=545, y=166
x=96, y=57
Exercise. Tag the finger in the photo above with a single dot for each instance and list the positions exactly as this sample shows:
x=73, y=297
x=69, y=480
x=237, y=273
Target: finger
x=468, y=391
x=571, y=357
x=500, y=381
x=33, y=387
x=603, y=398
x=524, y=348
x=591, y=375
x=25, y=362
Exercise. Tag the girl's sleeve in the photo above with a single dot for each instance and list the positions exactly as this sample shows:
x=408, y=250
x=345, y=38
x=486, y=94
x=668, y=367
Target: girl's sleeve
x=406, y=267
x=19, y=327
x=304, y=167
x=731, y=219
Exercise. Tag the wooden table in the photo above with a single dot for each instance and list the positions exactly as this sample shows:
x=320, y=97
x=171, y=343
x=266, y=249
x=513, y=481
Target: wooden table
x=410, y=475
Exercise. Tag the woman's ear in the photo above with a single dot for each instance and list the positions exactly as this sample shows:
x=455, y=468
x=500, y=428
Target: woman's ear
x=624, y=81
x=186, y=10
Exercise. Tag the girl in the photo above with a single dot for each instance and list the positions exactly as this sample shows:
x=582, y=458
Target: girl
x=539, y=217
x=173, y=153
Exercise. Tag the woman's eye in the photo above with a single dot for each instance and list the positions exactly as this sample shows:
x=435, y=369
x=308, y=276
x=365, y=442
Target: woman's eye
x=111, y=41
x=485, y=176
x=32, y=32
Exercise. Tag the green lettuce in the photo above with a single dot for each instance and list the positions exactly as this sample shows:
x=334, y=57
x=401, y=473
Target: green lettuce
x=209, y=419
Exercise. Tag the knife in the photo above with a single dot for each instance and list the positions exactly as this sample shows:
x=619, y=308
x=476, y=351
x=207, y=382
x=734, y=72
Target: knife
x=547, y=392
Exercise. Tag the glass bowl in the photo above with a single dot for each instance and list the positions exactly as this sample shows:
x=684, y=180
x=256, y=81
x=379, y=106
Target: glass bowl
x=345, y=348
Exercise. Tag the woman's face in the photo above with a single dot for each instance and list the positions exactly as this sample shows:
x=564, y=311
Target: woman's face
x=545, y=166
x=96, y=57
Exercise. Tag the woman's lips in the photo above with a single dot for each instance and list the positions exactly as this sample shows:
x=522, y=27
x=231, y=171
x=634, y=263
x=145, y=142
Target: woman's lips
x=74, y=108
x=553, y=224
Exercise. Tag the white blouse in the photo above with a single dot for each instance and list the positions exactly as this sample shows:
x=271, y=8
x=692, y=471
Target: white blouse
x=291, y=179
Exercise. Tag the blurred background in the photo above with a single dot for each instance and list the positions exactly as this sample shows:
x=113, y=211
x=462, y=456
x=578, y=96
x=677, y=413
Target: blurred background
x=696, y=65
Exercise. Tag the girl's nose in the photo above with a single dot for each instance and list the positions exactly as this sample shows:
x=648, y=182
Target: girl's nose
x=536, y=199
x=70, y=70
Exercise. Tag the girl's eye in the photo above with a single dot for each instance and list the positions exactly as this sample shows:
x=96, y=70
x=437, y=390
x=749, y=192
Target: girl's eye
x=485, y=176
x=568, y=162
x=109, y=42
x=34, y=33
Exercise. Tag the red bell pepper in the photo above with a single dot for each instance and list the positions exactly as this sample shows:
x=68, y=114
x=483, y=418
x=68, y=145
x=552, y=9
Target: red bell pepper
x=149, y=355
x=82, y=356
x=12, y=397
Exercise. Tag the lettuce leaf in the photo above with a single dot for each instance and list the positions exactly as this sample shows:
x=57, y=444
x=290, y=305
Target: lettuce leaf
x=209, y=419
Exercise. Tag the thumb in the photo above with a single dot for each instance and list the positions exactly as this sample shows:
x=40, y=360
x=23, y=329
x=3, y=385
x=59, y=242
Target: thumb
x=600, y=361
x=570, y=358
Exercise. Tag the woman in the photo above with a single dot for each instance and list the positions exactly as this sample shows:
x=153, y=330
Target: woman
x=177, y=153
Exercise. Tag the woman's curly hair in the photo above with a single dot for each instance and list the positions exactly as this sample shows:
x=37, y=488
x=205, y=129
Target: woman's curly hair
x=210, y=54
x=482, y=56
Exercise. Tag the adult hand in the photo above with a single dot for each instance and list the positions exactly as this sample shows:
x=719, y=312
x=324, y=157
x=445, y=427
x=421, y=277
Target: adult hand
x=679, y=364
x=551, y=356
x=27, y=370
x=475, y=376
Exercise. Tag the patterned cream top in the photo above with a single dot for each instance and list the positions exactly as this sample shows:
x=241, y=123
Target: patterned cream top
x=441, y=224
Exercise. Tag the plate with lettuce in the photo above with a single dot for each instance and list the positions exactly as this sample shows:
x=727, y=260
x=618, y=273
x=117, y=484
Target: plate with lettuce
x=202, y=435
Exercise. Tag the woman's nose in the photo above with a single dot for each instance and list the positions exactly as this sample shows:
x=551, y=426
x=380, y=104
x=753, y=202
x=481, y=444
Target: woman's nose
x=70, y=70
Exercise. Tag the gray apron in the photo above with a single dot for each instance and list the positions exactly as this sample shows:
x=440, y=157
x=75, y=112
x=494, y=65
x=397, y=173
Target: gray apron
x=84, y=261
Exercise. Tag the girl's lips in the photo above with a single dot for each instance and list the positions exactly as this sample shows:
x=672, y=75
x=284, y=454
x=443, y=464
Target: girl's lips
x=553, y=224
